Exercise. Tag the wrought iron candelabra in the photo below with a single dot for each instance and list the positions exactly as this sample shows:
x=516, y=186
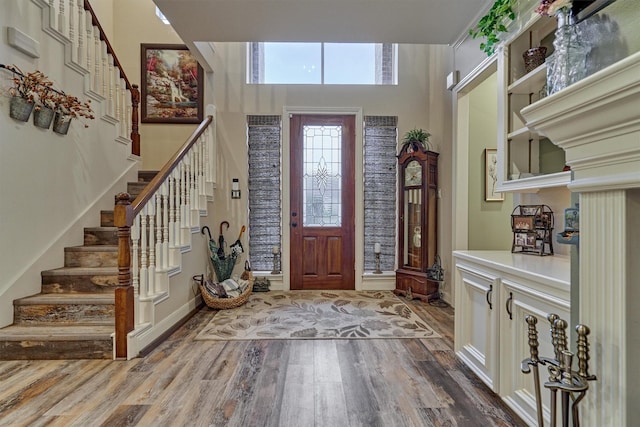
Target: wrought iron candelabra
x=571, y=384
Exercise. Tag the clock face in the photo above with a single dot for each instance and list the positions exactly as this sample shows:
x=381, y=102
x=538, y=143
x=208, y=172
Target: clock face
x=413, y=173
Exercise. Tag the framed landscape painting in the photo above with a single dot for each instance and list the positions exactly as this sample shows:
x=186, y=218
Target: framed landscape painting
x=172, y=85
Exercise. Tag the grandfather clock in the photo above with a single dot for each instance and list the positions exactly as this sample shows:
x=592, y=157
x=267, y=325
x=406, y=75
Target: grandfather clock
x=417, y=225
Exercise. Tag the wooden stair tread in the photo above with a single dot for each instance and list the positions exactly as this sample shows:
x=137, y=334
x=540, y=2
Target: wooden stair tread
x=92, y=248
x=56, y=332
x=67, y=298
x=101, y=228
x=82, y=271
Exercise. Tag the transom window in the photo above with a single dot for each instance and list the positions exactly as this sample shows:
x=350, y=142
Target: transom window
x=322, y=63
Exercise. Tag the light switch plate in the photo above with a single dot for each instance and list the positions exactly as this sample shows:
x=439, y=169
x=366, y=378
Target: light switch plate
x=452, y=79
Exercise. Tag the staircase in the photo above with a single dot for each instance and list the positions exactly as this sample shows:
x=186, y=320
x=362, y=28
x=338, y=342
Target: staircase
x=73, y=316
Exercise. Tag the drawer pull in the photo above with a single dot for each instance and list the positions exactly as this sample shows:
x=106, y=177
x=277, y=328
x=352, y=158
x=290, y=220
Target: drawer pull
x=509, y=305
x=488, y=296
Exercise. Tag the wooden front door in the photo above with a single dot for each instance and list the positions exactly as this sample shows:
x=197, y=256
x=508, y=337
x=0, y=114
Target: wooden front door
x=322, y=201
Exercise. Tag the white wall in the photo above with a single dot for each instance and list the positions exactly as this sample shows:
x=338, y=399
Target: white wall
x=489, y=222
x=135, y=22
x=419, y=100
x=50, y=185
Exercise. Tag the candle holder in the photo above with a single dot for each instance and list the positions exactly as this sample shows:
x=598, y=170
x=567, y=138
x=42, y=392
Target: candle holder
x=276, y=263
x=376, y=252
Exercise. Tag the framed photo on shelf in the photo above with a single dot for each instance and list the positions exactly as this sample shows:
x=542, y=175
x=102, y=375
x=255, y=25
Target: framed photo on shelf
x=491, y=176
x=172, y=85
x=523, y=222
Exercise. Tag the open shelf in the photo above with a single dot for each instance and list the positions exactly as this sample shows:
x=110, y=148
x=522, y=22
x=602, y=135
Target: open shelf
x=531, y=82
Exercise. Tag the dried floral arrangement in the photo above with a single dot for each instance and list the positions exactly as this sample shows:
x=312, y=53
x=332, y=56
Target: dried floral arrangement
x=27, y=85
x=37, y=88
x=551, y=7
x=71, y=107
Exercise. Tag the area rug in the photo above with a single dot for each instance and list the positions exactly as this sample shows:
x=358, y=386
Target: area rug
x=318, y=315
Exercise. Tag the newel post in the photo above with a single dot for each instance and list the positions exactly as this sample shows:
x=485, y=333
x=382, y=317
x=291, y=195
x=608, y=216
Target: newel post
x=123, y=219
x=135, y=135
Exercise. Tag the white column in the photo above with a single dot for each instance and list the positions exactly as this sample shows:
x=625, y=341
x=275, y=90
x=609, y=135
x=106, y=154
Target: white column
x=608, y=231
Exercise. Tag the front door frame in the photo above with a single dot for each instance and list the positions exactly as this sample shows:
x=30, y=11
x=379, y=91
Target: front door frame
x=286, y=182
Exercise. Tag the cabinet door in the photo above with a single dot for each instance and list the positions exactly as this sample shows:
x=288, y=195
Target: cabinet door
x=476, y=325
x=517, y=388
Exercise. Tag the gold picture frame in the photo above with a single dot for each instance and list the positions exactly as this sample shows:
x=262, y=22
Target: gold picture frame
x=172, y=85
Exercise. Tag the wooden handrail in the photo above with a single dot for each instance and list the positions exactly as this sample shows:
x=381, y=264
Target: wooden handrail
x=124, y=213
x=133, y=88
x=161, y=176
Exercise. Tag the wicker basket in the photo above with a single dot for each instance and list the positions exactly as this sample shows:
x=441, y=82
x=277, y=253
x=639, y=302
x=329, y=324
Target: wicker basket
x=225, y=303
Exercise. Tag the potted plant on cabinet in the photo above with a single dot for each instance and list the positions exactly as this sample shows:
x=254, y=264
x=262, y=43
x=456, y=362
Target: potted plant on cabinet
x=493, y=23
x=415, y=137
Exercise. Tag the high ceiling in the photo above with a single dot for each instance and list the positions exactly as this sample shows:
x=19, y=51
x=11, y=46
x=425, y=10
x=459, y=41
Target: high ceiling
x=373, y=21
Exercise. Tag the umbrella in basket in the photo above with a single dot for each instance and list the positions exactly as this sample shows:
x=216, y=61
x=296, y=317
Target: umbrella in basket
x=222, y=266
x=221, y=240
x=236, y=247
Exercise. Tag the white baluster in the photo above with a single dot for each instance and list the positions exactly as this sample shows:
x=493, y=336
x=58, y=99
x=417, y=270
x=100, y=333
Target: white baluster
x=159, y=226
x=127, y=114
x=184, y=201
x=207, y=159
x=118, y=96
x=144, y=250
x=81, y=54
x=135, y=268
x=123, y=108
x=164, y=190
x=202, y=146
x=173, y=201
x=89, y=45
x=72, y=31
x=152, y=245
x=52, y=14
x=135, y=248
x=97, y=60
x=192, y=194
x=62, y=19
x=112, y=101
x=105, y=71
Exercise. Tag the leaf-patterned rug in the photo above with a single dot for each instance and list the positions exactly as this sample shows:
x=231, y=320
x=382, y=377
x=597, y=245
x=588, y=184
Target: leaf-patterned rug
x=318, y=315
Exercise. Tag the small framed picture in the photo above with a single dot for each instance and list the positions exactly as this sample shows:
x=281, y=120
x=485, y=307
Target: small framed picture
x=491, y=176
x=521, y=239
x=523, y=223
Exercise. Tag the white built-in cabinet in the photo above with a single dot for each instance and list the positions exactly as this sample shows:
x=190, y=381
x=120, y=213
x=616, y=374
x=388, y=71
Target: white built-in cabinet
x=495, y=291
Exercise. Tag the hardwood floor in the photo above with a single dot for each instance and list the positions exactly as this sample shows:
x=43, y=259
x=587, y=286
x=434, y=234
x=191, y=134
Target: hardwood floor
x=401, y=382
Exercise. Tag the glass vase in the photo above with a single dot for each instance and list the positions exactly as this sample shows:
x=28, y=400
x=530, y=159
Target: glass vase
x=567, y=64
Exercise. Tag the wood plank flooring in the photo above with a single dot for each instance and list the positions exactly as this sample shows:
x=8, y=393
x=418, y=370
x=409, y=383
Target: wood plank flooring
x=385, y=383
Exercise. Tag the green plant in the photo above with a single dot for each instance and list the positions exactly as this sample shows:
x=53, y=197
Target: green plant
x=416, y=135
x=493, y=23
